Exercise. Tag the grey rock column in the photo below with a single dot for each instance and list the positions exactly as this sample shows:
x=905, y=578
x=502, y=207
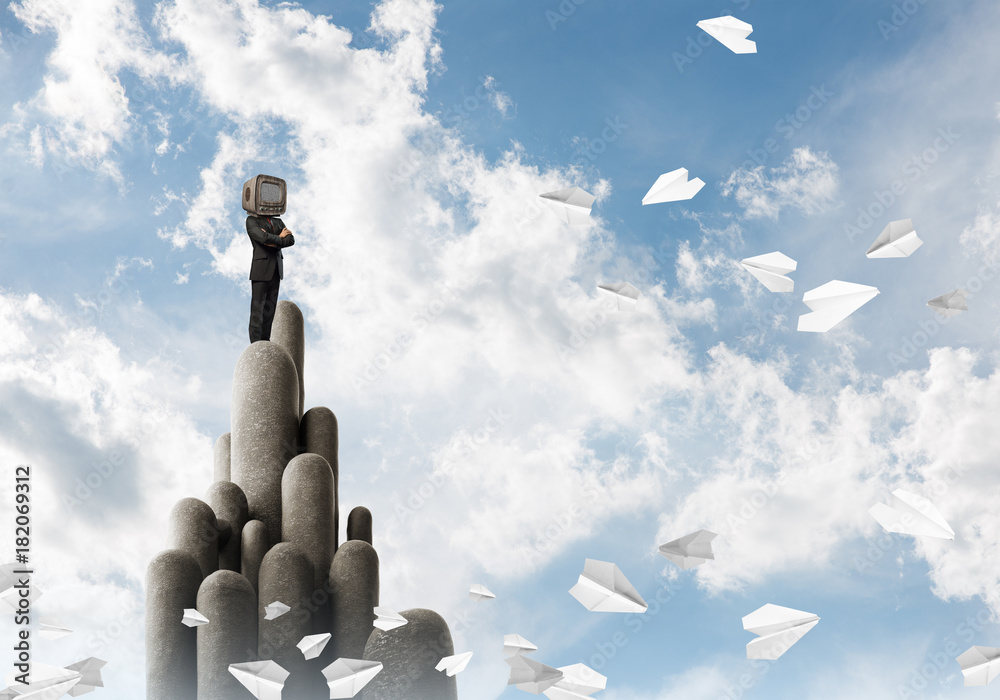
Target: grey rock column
x=228, y=601
x=288, y=331
x=265, y=435
x=319, y=434
x=172, y=581
x=255, y=546
x=354, y=588
x=307, y=511
x=194, y=529
x=229, y=503
x=359, y=525
x=409, y=655
x=221, y=457
x=286, y=575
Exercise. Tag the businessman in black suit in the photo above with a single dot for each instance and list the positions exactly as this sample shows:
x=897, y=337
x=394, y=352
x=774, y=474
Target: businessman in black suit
x=268, y=235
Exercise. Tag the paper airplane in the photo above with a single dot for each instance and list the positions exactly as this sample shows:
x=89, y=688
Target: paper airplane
x=980, y=665
x=911, y=514
x=691, y=550
x=388, y=620
x=602, y=587
x=832, y=303
x=771, y=269
x=45, y=682
x=530, y=675
x=454, y=664
x=897, y=240
x=480, y=592
x=950, y=304
x=673, y=187
x=778, y=629
x=515, y=644
x=730, y=32
x=10, y=580
x=572, y=205
x=264, y=679
x=275, y=609
x=313, y=645
x=51, y=629
x=90, y=675
x=346, y=677
x=193, y=618
x=625, y=295
x=7, y=694
x=579, y=680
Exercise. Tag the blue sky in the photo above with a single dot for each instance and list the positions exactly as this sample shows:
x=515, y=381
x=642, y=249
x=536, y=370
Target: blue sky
x=415, y=138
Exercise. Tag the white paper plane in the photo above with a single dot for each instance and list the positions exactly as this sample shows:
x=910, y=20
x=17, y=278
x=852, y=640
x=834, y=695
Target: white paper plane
x=90, y=672
x=480, y=592
x=530, y=675
x=264, y=679
x=691, y=550
x=771, y=269
x=454, y=664
x=346, y=677
x=980, y=665
x=572, y=205
x=50, y=629
x=193, y=618
x=10, y=581
x=950, y=304
x=911, y=514
x=387, y=620
x=579, y=680
x=7, y=694
x=45, y=682
x=673, y=187
x=730, y=32
x=777, y=629
x=313, y=645
x=832, y=303
x=557, y=692
x=515, y=644
x=624, y=294
x=897, y=240
x=275, y=609
x=602, y=587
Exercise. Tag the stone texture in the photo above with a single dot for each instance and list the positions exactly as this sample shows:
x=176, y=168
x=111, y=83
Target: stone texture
x=229, y=503
x=255, y=546
x=288, y=331
x=307, y=511
x=265, y=435
x=172, y=581
x=319, y=434
x=409, y=655
x=354, y=586
x=228, y=600
x=221, y=457
x=193, y=528
x=359, y=525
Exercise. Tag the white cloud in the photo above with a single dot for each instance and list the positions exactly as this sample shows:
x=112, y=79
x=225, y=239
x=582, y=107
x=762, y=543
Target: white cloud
x=807, y=181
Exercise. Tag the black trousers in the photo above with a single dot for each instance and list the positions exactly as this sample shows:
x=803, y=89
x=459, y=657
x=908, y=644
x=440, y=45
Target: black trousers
x=263, y=302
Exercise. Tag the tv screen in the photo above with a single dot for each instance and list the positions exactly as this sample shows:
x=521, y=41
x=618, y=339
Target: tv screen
x=270, y=193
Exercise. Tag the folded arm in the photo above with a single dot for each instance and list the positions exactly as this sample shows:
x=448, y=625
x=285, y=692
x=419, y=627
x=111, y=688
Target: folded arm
x=259, y=235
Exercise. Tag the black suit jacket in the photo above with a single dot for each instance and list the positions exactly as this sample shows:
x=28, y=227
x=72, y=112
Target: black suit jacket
x=267, y=244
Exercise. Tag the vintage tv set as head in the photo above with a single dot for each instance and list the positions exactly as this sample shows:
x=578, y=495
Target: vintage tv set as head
x=264, y=195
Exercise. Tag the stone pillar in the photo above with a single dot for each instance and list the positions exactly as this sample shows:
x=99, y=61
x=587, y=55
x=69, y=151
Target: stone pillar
x=194, y=529
x=286, y=575
x=409, y=655
x=221, y=457
x=265, y=435
x=288, y=331
x=229, y=502
x=354, y=588
x=228, y=601
x=307, y=511
x=172, y=581
x=255, y=546
x=359, y=525
x=318, y=434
